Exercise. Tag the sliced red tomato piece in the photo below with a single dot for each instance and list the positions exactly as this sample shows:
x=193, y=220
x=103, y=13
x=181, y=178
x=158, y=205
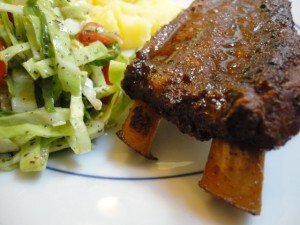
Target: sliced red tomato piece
x=92, y=32
x=88, y=37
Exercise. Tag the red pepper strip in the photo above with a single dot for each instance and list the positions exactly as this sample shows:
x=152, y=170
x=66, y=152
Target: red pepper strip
x=106, y=100
x=88, y=37
x=10, y=17
x=105, y=71
x=2, y=45
x=2, y=65
x=2, y=72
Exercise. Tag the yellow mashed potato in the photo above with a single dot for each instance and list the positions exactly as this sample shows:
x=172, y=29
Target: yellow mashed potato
x=134, y=20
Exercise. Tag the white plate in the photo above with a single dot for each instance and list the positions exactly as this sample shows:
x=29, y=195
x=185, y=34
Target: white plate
x=113, y=185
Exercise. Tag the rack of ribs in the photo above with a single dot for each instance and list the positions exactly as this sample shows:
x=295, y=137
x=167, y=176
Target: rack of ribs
x=227, y=69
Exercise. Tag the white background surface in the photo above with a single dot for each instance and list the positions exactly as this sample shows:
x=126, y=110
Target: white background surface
x=53, y=198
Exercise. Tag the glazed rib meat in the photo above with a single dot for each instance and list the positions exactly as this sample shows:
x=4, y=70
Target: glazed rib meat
x=225, y=69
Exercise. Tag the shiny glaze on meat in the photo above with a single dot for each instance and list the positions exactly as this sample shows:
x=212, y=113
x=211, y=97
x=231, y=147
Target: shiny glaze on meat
x=226, y=69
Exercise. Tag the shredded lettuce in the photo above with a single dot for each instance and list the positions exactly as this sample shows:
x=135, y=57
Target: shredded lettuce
x=6, y=145
x=33, y=29
x=33, y=130
x=116, y=71
x=88, y=54
x=12, y=51
x=15, y=9
x=90, y=93
x=39, y=117
x=58, y=95
x=9, y=161
x=80, y=142
x=75, y=11
x=34, y=156
x=23, y=98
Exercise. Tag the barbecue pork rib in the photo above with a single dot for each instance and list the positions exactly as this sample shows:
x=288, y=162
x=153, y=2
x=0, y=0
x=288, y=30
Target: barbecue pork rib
x=226, y=69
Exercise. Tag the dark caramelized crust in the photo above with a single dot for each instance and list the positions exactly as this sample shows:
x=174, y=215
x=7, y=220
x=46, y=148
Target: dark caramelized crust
x=224, y=69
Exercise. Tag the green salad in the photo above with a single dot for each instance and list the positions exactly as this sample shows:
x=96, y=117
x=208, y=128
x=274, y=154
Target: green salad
x=59, y=81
